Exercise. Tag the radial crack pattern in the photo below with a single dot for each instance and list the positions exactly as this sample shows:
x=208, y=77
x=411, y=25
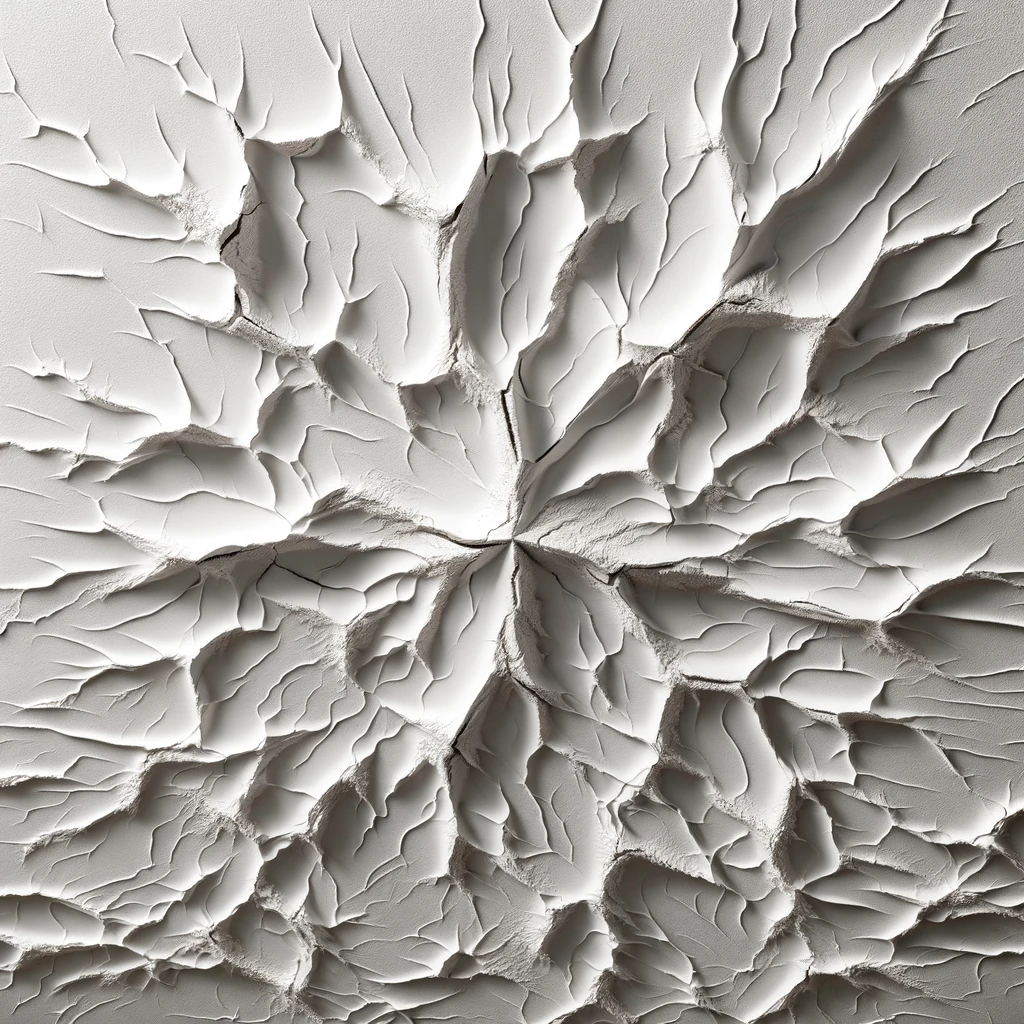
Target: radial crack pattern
x=512, y=513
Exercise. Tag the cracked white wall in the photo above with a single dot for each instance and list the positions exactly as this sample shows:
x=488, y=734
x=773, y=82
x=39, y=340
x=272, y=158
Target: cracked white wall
x=512, y=512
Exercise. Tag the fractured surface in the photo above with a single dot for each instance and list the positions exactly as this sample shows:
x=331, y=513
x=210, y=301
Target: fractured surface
x=512, y=512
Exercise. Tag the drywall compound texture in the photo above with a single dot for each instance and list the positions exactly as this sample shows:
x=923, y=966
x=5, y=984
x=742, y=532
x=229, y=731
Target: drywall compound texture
x=512, y=512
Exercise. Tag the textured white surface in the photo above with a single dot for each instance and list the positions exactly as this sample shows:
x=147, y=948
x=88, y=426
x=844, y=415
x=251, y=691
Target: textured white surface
x=512, y=512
